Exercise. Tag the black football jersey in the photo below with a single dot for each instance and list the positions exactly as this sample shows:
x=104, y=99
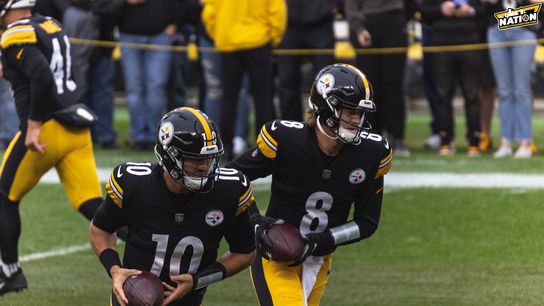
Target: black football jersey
x=171, y=234
x=311, y=190
x=32, y=48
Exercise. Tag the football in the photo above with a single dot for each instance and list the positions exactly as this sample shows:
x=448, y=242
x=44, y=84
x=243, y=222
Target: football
x=287, y=243
x=144, y=290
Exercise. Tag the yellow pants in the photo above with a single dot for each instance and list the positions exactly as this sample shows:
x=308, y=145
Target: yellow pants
x=281, y=285
x=68, y=149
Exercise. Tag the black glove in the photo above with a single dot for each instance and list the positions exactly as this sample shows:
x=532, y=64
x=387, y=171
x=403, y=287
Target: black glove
x=262, y=242
x=317, y=244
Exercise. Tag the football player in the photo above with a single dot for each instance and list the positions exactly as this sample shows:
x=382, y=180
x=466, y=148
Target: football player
x=177, y=212
x=320, y=169
x=36, y=60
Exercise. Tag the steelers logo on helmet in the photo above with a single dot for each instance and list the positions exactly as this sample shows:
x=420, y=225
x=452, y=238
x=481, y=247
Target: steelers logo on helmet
x=325, y=84
x=166, y=133
x=214, y=217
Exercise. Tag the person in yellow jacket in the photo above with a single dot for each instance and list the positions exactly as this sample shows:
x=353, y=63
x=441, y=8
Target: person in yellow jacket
x=244, y=32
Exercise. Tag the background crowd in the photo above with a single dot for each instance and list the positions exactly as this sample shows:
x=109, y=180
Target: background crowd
x=239, y=72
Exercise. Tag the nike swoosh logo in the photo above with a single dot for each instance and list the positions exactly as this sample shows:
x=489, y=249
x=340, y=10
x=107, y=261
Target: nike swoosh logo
x=387, y=144
x=119, y=174
x=245, y=181
x=2, y=285
x=274, y=127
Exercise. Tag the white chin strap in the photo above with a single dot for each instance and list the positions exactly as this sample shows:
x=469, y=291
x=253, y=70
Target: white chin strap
x=347, y=136
x=194, y=183
x=322, y=130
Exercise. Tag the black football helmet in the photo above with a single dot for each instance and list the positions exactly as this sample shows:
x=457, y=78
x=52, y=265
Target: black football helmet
x=188, y=133
x=337, y=88
x=6, y=5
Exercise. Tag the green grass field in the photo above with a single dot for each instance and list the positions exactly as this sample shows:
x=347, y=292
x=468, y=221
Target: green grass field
x=433, y=247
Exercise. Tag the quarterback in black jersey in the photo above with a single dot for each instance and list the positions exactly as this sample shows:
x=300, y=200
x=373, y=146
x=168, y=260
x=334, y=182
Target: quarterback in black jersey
x=177, y=212
x=320, y=169
x=36, y=60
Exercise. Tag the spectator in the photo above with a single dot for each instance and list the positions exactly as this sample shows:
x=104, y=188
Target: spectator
x=309, y=26
x=212, y=100
x=381, y=24
x=244, y=32
x=9, y=123
x=512, y=67
x=146, y=71
x=455, y=23
x=100, y=95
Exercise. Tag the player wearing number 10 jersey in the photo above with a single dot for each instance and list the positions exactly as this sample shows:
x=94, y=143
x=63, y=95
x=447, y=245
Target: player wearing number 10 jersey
x=319, y=170
x=36, y=60
x=177, y=212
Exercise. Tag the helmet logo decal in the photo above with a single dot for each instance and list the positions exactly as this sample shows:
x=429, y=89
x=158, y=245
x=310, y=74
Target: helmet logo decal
x=166, y=133
x=357, y=176
x=325, y=84
x=214, y=217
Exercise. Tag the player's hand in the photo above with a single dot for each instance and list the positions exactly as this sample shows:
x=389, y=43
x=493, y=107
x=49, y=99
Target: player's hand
x=119, y=276
x=465, y=10
x=32, y=139
x=185, y=285
x=135, y=2
x=447, y=8
x=364, y=38
x=316, y=244
x=262, y=242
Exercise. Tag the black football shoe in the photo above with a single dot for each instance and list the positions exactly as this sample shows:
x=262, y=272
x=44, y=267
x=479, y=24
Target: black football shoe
x=16, y=282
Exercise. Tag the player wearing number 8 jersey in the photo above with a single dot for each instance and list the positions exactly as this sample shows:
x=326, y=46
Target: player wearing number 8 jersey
x=319, y=170
x=36, y=60
x=177, y=212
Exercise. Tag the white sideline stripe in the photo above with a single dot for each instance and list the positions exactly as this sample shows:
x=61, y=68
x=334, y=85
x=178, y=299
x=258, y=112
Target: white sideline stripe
x=55, y=252
x=406, y=180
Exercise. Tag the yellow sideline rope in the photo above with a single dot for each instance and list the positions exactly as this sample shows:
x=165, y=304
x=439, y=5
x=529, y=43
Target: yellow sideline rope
x=343, y=50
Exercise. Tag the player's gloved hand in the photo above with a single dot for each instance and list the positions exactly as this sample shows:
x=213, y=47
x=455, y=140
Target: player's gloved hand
x=316, y=244
x=262, y=242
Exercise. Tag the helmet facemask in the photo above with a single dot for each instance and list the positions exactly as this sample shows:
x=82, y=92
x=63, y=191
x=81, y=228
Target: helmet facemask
x=348, y=120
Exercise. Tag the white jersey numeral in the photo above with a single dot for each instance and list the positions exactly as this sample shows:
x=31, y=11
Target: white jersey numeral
x=61, y=74
x=175, y=260
x=316, y=219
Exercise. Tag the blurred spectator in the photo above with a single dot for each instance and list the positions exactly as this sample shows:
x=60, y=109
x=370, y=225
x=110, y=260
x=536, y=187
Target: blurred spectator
x=212, y=88
x=309, y=26
x=9, y=122
x=381, y=24
x=146, y=71
x=244, y=32
x=512, y=66
x=456, y=23
x=100, y=95
x=429, y=87
x=487, y=98
x=51, y=8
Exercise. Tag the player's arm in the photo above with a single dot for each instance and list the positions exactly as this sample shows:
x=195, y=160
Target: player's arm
x=258, y=161
x=108, y=218
x=31, y=61
x=365, y=218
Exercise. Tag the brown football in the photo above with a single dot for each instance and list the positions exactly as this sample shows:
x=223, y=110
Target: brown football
x=144, y=290
x=287, y=243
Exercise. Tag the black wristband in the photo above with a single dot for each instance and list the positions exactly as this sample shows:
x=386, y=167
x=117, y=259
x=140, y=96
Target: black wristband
x=211, y=274
x=109, y=258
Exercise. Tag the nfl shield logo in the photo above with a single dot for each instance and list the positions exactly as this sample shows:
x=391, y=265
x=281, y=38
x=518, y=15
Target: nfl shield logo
x=178, y=217
x=326, y=174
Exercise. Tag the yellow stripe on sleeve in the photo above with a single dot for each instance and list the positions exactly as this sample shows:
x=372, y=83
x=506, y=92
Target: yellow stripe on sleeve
x=50, y=27
x=383, y=170
x=113, y=195
x=116, y=184
x=24, y=34
x=245, y=206
x=265, y=148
